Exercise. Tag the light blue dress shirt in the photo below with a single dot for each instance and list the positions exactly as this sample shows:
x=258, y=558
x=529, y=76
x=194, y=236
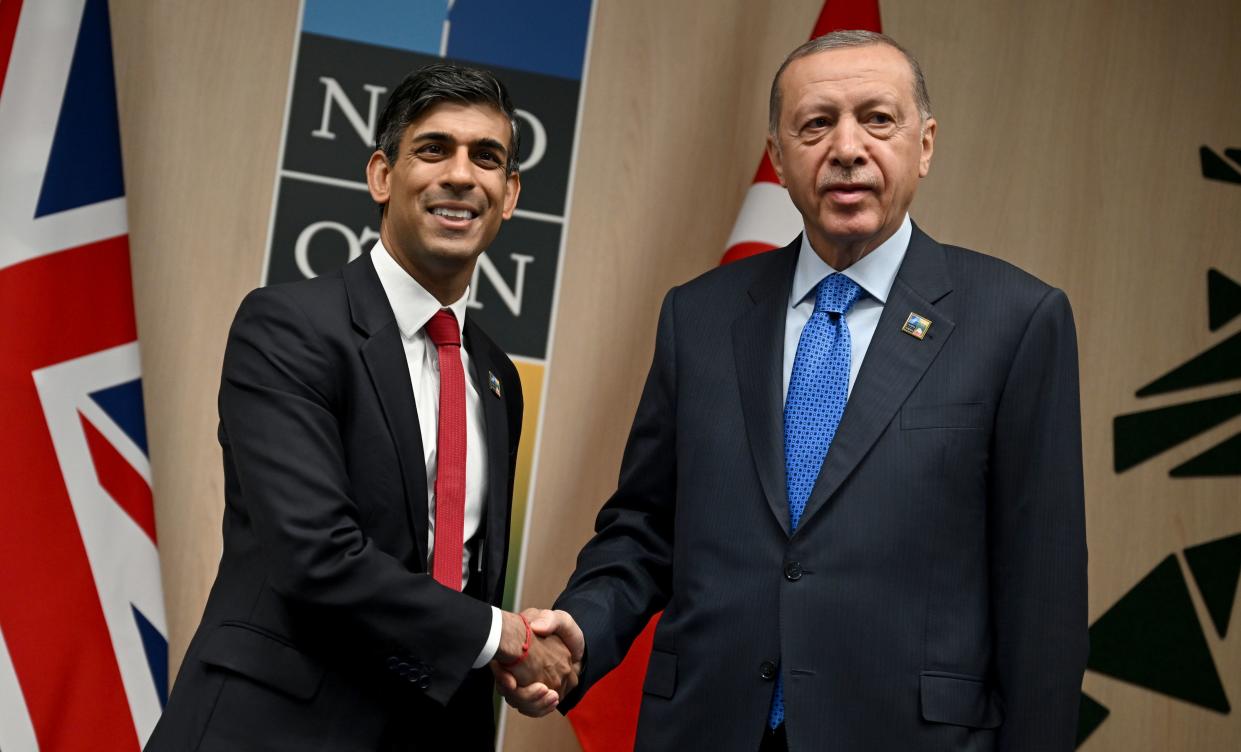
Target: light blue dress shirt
x=875, y=272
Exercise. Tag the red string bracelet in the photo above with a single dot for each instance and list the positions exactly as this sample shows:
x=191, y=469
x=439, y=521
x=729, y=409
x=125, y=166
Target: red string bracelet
x=525, y=646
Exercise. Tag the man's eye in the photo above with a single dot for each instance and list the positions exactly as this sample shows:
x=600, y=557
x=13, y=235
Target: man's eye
x=819, y=122
x=431, y=149
x=881, y=118
x=488, y=158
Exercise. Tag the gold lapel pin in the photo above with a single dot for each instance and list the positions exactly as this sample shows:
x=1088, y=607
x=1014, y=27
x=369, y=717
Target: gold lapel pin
x=916, y=326
x=493, y=383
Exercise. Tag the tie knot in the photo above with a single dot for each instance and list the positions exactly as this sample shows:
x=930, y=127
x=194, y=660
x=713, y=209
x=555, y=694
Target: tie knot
x=837, y=294
x=442, y=329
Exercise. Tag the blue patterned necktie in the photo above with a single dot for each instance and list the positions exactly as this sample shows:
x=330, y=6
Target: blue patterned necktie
x=815, y=403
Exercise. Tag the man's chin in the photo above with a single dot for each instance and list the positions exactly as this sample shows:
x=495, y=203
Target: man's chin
x=851, y=229
x=457, y=250
x=449, y=253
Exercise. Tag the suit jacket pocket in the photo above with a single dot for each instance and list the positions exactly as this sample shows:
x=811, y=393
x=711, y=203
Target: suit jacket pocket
x=959, y=700
x=965, y=415
x=267, y=660
x=661, y=674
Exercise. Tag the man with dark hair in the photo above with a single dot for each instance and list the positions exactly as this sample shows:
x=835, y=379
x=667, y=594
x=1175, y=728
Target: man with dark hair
x=370, y=432
x=854, y=481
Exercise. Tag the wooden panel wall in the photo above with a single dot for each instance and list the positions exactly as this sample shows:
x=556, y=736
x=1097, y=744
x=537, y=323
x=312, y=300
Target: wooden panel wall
x=1068, y=144
x=201, y=89
x=673, y=124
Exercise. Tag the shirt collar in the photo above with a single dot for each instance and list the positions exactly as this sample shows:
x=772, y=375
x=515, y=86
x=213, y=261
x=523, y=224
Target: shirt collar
x=412, y=305
x=875, y=272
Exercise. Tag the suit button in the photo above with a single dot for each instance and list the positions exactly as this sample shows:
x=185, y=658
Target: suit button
x=793, y=571
x=424, y=682
x=393, y=662
x=767, y=670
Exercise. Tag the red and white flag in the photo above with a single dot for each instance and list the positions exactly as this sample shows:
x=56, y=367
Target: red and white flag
x=83, y=652
x=606, y=719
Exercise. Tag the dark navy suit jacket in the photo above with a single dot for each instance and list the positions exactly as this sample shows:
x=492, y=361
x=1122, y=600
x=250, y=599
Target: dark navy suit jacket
x=933, y=596
x=323, y=630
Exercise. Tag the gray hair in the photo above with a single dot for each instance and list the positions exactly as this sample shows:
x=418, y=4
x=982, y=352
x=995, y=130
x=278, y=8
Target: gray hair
x=839, y=40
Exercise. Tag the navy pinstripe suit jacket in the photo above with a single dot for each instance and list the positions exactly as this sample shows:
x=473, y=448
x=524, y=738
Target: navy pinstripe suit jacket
x=933, y=596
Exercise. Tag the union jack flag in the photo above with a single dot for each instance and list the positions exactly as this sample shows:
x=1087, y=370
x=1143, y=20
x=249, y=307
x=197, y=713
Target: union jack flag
x=83, y=653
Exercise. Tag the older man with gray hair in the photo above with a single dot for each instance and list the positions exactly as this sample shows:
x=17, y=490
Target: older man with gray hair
x=854, y=481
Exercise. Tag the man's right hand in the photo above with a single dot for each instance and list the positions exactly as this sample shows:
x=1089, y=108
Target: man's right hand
x=552, y=667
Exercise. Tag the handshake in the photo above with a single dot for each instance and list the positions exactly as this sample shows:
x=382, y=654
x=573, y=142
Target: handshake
x=539, y=659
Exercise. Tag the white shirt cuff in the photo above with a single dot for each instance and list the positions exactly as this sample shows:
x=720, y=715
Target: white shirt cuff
x=492, y=645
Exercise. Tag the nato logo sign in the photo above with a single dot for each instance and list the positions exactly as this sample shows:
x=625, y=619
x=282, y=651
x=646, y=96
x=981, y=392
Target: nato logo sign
x=347, y=58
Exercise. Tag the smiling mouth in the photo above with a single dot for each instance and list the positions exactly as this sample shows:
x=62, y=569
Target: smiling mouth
x=457, y=214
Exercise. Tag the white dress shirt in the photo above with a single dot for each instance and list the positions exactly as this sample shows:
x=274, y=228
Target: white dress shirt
x=413, y=307
x=874, y=273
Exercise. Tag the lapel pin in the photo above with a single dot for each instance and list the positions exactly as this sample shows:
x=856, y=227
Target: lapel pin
x=916, y=326
x=493, y=383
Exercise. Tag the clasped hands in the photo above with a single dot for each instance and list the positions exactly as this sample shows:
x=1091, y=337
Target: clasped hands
x=550, y=667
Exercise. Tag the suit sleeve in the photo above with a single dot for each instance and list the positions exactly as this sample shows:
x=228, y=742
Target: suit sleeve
x=624, y=573
x=278, y=398
x=1037, y=537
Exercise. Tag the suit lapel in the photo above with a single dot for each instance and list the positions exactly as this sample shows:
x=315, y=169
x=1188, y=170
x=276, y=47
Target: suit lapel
x=495, y=421
x=383, y=352
x=758, y=347
x=894, y=364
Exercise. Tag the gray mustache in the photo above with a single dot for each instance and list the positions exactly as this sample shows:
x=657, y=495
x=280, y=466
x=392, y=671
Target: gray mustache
x=847, y=176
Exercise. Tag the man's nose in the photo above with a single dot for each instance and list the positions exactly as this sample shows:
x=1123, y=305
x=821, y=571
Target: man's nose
x=847, y=148
x=458, y=170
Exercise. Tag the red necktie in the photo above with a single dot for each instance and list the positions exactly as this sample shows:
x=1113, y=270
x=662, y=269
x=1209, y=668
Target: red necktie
x=450, y=452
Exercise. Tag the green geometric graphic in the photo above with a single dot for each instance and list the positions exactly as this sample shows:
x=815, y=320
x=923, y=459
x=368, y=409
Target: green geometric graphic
x=1223, y=299
x=1137, y=437
x=1216, y=567
x=1220, y=363
x=1222, y=459
x=1215, y=168
x=1151, y=637
x=1090, y=716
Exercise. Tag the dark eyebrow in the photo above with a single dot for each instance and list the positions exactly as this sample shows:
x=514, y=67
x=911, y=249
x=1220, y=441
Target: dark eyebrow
x=446, y=138
x=432, y=136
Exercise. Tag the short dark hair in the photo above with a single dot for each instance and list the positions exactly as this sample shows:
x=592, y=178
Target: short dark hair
x=432, y=84
x=839, y=40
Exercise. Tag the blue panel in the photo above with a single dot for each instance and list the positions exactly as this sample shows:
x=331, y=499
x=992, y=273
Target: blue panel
x=540, y=36
x=156, y=648
x=84, y=166
x=123, y=404
x=416, y=25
